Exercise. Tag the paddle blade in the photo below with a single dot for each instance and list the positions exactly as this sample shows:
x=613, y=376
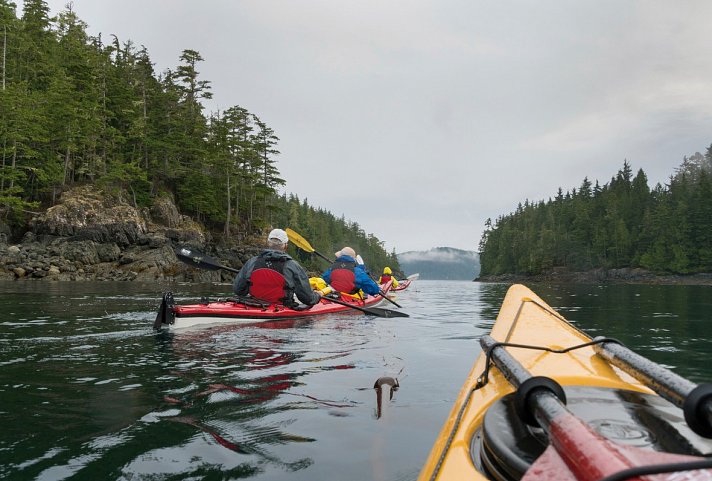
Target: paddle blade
x=165, y=312
x=303, y=244
x=380, y=312
x=196, y=259
x=298, y=240
x=374, y=311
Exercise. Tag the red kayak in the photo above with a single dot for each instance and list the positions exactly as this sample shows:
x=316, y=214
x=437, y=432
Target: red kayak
x=249, y=310
x=404, y=284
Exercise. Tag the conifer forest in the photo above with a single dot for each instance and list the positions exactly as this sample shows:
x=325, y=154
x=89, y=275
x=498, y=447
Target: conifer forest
x=78, y=109
x=623, y=223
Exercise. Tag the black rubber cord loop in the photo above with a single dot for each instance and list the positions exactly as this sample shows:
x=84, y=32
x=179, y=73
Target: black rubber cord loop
x=692, y=407
x=523, y=394
x=484, y=377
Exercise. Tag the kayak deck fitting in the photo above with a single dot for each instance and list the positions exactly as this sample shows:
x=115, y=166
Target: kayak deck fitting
x=491, y=432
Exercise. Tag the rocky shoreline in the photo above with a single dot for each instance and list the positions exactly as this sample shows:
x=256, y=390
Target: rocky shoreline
x=92, y=237
x=604, y=276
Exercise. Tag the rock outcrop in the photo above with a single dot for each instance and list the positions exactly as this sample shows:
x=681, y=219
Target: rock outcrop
x=92, y=236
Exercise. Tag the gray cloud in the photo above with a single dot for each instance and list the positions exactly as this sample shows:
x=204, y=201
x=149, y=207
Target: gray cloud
x=440, y=256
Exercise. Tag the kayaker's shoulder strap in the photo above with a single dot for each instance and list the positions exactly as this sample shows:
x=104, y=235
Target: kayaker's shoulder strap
x=344, y=265
x=275, y=264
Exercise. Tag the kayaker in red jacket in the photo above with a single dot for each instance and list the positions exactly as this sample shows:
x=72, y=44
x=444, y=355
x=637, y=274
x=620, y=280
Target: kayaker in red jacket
x=274, y=276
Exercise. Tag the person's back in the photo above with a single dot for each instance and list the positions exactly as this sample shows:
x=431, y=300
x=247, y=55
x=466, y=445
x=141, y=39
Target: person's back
x=267, y=281
x=274, y=276
x=346, y=275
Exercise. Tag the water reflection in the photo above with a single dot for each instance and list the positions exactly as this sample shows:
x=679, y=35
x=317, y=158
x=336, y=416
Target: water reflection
x=232, y=380
x=90, y=391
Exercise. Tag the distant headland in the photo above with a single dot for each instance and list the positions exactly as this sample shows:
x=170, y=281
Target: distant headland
x=441, y=263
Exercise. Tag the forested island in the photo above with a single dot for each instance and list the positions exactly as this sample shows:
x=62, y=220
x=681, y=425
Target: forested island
x=622, y=229
x=80, y=112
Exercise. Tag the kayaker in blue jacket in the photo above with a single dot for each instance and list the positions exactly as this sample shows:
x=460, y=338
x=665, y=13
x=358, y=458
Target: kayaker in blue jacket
x=274, y=276
x=346, y=275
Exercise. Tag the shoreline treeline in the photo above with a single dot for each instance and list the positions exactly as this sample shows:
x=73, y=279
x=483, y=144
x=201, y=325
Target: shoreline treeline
x=624, y=223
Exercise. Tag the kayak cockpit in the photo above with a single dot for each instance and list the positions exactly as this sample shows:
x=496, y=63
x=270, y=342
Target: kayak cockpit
x=505, y=447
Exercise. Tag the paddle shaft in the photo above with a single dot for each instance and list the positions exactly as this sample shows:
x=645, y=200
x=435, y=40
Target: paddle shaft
x=666, y=383
x=374, y=311
x=385, y=296
x=586, y=454
x=323, y=256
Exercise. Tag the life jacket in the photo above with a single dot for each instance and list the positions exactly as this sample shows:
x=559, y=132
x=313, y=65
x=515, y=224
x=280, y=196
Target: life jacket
x=267, y=281
x=343, y=277
x=384, y=278
x=319, y=284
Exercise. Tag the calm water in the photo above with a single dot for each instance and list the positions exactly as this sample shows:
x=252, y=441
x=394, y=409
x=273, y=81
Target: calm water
x=89, y=391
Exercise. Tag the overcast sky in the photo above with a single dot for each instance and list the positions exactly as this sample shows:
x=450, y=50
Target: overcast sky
x=421, y=119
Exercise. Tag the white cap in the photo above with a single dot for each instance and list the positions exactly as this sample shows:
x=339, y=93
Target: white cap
x=279, y=235
x=346, y=251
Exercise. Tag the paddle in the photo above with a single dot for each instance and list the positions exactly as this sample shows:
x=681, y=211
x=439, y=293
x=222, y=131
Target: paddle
x=359, y=260
x=304, y=245
x=694, y=400
x=202, y=261
x=575, y=451
x=196, y=259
